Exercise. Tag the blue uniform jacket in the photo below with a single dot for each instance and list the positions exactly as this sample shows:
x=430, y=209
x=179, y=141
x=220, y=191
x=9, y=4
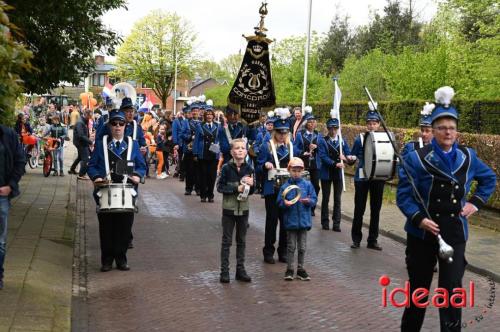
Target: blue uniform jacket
x=439, y=187
x=96, y=167
x=178, y=125
x=15, y=159
x=237, y=130
x=265, y=155
x=261, y=138
x=299, y=142
x=326, y=162
x=297, y=216
x=357, y=150
x=199, y=141
x=189, y=129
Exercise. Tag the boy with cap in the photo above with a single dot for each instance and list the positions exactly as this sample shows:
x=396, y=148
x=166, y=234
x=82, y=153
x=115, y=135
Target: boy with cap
x=235, y=183
x=296, y=197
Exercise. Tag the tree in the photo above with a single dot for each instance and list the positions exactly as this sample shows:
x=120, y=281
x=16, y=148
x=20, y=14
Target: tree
x=63, y=36
x=390, y=32
x=230, y=65
x=14, y=59
x=149, y=53
x=336, y=47
x=207, y=69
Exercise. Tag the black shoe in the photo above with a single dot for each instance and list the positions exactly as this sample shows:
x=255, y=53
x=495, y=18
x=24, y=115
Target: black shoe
x=374, y=246
x=187, y=193
x=203, y=200
x=197, y=192
x=224, y=277
x=336, y=229
x=181, y=179
x=72, y=171
x=288, y=275
x=123, y=267
x=242, y=275
x=61, y=173
x=302, y=275
x=210, y=200
x=325, y=227
x=106, y=268
x=313, y=214
x=269, y=260
x=130, y=245
x=355, y=245
x=282, y=259
x=176, y=175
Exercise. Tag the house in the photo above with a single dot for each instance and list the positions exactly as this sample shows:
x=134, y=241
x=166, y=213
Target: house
x=201, y=85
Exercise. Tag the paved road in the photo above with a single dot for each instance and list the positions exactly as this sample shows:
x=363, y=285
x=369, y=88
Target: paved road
x=173, y=283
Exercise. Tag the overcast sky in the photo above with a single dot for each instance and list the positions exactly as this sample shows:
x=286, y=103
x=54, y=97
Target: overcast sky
x=220, y=23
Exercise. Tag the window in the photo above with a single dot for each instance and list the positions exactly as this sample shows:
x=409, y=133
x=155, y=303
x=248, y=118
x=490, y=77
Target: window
x=95, y=79
x=102, y=78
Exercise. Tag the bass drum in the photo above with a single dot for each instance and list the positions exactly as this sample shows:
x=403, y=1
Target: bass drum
x=379, y=156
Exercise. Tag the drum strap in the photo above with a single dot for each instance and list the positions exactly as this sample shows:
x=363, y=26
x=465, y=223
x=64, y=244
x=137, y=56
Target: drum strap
x=134, y=134
x=275, y=154
x=106, y=155
x=420, y=142
x=361, y=137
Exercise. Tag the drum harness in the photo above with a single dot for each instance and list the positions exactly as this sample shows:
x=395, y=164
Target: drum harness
x=106, y=161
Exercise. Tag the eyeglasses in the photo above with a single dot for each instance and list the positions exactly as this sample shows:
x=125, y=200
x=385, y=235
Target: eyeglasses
x=444, y=128
x=117, y=123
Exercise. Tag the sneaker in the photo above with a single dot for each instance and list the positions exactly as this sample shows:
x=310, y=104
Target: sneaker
x=224, y=277
x=166, y=175
x=61, y=173
x=162, y=176
x=288, y=275
x=355, y=245
x=302, y=275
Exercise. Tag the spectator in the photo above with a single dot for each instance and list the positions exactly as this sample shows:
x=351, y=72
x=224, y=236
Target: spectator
x=11, y=170
x=74, y=116
x=82, y=142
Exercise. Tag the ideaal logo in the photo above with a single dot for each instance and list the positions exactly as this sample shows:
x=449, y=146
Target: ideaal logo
x=439, y=299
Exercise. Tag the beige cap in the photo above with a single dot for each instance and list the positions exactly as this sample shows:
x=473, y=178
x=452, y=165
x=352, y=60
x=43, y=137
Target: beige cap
x=296, y=162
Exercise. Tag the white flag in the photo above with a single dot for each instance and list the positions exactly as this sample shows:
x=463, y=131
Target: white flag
x=336, y=101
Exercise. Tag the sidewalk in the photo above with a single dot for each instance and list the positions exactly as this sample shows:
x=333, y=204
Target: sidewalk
x=482, y=245
x=38, y=266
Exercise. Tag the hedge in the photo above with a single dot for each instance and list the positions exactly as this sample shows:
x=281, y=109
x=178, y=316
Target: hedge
x=486, y=146
x=475, y=116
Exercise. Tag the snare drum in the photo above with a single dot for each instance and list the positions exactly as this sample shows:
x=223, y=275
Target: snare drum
x=116, y=197
x=379, y=157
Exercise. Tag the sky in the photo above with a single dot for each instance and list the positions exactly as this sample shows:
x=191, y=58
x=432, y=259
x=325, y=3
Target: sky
x=221, y=23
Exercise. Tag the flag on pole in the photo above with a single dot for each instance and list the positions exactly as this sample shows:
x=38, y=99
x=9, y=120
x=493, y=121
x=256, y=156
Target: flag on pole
x=106, y=91
x=336, y=113
x=146, y=106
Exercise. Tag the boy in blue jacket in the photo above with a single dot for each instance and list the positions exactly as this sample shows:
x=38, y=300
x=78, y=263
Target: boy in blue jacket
x=297, y=217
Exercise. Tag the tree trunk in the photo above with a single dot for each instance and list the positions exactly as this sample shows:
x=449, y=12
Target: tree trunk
x=164, y=97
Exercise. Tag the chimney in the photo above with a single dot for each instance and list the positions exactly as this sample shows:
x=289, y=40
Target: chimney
x=99, y=59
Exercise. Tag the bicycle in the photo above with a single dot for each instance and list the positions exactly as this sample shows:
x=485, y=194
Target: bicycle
x=50, y=145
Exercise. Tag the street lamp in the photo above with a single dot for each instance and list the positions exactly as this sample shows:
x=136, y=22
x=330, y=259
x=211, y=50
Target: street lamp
x=175, y=82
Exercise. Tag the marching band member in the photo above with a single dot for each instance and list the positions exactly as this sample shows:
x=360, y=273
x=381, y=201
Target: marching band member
x=307, y=142
x=190, y=163
x=261, y=138
x=364, y=186
x=178, y=126
x=331, y=172
x=206, y=150
x=442, y=172
x=276, y=153
x=231, y=130
x=425, y=131
x=115, y=228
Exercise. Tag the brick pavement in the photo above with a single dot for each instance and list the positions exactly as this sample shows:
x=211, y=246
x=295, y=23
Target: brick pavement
x=37, y=291
x=173, y=283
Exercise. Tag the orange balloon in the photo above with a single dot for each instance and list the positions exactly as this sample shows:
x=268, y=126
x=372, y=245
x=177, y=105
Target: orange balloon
x=93, y=103
x=84, y=97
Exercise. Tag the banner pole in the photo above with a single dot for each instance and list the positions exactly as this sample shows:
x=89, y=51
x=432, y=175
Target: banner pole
x=306, y=56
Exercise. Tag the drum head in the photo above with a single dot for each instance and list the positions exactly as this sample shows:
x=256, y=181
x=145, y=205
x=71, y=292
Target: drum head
x=369, y=155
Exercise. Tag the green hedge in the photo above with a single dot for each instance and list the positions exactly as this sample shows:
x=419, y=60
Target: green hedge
x=475, y=116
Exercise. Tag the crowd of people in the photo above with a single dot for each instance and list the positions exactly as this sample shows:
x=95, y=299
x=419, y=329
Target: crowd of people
x=288, y=161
